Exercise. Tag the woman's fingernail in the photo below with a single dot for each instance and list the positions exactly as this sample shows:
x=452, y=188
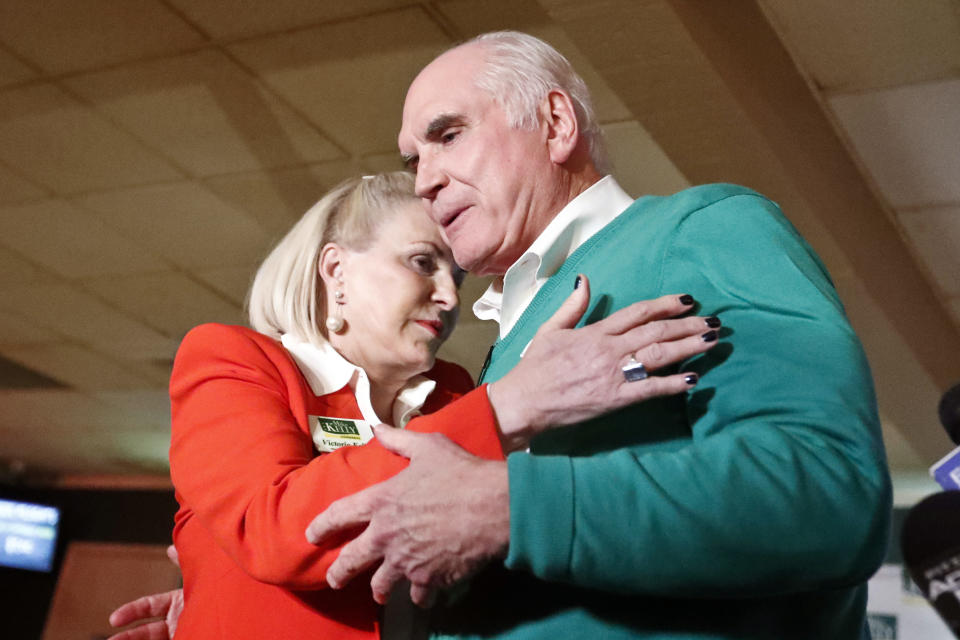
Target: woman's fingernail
x=686, y=299
x=577, y=282
x=713, y=322
x=691, y=379
x=709, y=336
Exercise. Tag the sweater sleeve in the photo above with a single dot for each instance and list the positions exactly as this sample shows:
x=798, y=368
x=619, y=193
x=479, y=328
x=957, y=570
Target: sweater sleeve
x=782, y=486
x=248, y=471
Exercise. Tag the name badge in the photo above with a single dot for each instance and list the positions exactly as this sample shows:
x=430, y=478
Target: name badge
x=329, y=434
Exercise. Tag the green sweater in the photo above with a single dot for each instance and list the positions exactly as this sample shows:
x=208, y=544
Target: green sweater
x=755, y=506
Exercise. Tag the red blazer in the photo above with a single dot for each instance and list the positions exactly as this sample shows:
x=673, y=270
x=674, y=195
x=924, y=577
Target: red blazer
x=249, y=480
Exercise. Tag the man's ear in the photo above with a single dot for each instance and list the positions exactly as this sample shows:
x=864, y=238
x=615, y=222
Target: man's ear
x=563, y=132
x=331, y=266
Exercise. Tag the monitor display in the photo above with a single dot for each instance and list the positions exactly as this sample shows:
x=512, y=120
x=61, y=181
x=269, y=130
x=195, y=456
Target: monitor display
x=28, y=535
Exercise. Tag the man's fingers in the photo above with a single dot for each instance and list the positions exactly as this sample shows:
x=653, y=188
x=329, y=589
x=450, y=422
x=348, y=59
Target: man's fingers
x=173, y=555
x=410, y=444
x=345, y=513
x=640, y=313
x=151, y=631
x=355, y=557
x=422, y=595
x=572, y=309
x=152, y=606
x=384, y=580
x=399, y=441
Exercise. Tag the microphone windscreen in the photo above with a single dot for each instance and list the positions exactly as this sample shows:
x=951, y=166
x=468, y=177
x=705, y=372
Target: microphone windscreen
x=949, y=411
x=930, y=542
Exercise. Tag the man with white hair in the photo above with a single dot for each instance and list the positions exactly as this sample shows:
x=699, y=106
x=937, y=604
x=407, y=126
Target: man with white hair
x=755, y=507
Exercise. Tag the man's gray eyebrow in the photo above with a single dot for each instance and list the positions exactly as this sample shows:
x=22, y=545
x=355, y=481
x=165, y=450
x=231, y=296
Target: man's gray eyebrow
x=441, y=122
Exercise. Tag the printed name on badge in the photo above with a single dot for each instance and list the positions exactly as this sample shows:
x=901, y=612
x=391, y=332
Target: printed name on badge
x=329, y=434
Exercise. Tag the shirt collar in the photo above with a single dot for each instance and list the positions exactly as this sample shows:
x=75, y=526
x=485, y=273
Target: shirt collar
x=583, y=216
x=327, y=371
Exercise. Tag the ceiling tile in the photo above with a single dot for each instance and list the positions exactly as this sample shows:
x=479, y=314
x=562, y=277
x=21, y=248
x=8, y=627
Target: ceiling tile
x=77, y=367
x=17, y=330
x=69, y=242
x=863, y=44
x=15, y=271
x=14, y=189
x=184, y=222
x=341, y=75
x=206, y=113
x=935, y=236
x=908, y=139
x=277, y=199
x=170, y=302
x=62, y=35
x=80, y=316
x=157, y=370
x=640, y=166
x=473, y=18
x=59, y=143
x=232, y=282
x=383, y=162
x=13, y=70
x=142, y=408
x=49, y=412
x=222, y=20
x=13, y=375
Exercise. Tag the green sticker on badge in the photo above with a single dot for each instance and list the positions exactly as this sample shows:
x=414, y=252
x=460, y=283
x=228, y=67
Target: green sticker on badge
x=339, y=428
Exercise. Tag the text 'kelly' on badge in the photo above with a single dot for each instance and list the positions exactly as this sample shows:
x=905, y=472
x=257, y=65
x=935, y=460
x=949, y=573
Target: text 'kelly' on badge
x=329, y=434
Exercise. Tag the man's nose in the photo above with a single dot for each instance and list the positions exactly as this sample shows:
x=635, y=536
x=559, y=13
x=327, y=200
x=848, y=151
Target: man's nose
x=429, y=179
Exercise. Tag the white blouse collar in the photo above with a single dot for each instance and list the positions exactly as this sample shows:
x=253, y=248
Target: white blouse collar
x=327, y=371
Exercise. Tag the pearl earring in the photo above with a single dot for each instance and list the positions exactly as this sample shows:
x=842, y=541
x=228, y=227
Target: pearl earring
x=335, y=322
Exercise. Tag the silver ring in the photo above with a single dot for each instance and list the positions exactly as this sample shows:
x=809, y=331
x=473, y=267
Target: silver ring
x=633, y=370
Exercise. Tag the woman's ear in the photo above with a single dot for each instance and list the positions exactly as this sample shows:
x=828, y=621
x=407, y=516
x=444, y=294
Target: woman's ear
x=563, y=132
x=331, y=266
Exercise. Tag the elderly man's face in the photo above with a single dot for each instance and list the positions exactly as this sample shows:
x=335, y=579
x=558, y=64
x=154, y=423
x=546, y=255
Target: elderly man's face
x=490, y=187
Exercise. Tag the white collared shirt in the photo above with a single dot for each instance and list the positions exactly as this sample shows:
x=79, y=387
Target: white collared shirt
x=328, y=371
x=583, y=216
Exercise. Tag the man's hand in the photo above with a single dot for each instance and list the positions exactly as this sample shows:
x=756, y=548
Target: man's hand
x=167, y=605
x=436, y=522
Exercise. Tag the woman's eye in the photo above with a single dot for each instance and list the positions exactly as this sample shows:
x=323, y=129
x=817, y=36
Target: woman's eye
x=424, y=264
x=449, y=136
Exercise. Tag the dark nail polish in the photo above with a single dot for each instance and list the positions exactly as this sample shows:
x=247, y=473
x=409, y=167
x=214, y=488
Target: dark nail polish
x=713, y=322
x=709, y=336
x=692, y=379
x=686, y=299
x=577, y=282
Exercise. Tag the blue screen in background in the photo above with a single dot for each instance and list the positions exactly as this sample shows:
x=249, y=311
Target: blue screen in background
x=28, y=535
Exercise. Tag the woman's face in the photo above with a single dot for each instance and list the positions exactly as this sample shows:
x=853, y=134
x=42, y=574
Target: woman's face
x=401, y=296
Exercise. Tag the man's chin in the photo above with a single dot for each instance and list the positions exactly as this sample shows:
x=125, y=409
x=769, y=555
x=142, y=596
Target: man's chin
x=472, y=262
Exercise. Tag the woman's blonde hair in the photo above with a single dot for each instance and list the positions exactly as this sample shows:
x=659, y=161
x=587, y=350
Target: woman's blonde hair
x=287, y=294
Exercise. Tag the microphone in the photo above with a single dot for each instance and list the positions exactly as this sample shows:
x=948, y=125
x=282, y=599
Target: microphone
x=930, y=542
x=947, y=470
x=949, y=411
